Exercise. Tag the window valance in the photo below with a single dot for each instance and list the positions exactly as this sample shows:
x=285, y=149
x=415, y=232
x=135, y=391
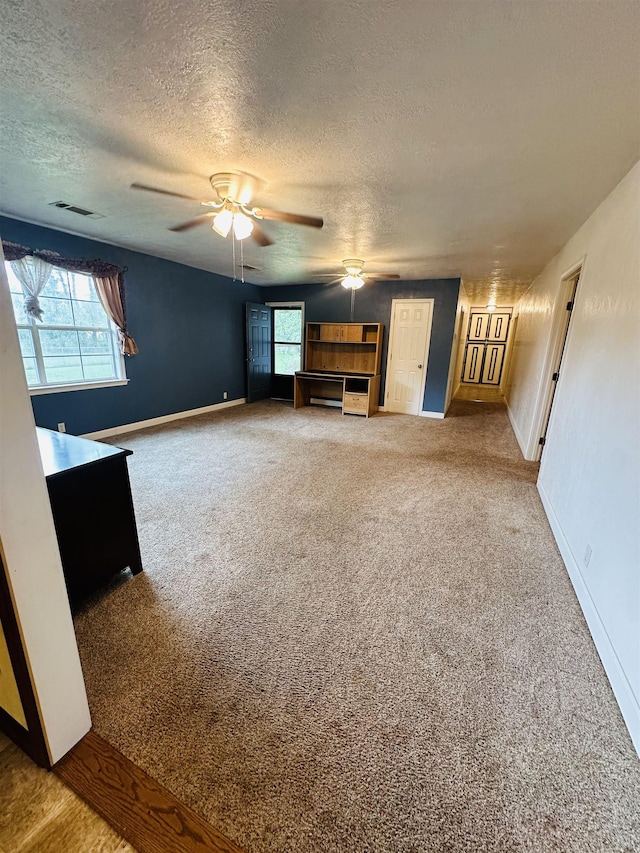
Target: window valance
x=108, y=278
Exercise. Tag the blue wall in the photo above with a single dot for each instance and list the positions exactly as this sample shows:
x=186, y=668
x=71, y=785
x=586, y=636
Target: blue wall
x=332, y=303
x=188, y=324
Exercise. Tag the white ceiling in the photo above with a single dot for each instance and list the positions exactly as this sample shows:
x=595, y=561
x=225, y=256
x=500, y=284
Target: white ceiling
x=435, y=137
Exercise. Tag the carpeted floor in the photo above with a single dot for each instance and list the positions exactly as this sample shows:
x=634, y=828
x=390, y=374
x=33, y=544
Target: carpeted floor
x=358, y=635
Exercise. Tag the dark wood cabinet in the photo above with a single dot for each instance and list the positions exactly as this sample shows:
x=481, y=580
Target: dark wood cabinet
x=90, y=495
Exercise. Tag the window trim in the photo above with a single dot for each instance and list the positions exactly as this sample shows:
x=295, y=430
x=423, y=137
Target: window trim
x=34, y=390
x=289, y=304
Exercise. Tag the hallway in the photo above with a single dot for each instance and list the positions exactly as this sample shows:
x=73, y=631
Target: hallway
x=479, y=393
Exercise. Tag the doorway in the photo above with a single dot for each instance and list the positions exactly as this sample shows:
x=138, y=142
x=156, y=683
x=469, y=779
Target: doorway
x=409, y=339
x=287, y=346
x=570, y=283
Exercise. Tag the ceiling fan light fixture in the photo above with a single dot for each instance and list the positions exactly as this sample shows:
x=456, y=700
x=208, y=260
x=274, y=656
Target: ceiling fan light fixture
x=222, y=222
x=352, y=282
x=242, y=226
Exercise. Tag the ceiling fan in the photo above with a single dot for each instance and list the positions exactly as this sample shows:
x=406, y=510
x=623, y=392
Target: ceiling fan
x=354, y=276
x=232, y=210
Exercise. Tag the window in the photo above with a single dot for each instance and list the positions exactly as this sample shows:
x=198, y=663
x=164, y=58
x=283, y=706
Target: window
x=287, y=339
x=75, y=344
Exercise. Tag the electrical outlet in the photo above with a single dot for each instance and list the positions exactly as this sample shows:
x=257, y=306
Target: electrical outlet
x=225, y=395
x=62, y=427
x=587, y=556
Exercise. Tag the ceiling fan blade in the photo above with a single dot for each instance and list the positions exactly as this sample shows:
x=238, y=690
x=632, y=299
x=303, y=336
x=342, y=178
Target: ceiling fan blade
x=164, y=192
x=382, y=276
x=199, y=220
x=294, y=218
x=258, y=234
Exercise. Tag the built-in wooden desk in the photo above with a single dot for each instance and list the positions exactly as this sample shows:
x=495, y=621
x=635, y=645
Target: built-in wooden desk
x=341, y=365
x=90, y=497
x=356, y=394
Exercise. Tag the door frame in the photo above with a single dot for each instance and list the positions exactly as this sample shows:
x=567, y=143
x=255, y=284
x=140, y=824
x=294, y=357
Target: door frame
x=558, y=342
x=425, y=360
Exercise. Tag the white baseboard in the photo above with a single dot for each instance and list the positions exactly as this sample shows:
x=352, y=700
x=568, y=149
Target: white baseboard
x=627, y=702
x=163, y=419
x=516, y=432
x=431, y=414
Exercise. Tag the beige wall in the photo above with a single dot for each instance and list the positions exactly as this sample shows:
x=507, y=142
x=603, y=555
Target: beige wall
x=590, y=471
x=9, y=696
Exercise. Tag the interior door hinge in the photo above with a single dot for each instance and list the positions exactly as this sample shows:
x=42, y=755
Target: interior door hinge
x=554, y=378
x=569, y=306
x=542, y=441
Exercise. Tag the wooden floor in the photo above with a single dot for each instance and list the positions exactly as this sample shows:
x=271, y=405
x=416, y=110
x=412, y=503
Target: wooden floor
x=144, y=812
x=39, y=814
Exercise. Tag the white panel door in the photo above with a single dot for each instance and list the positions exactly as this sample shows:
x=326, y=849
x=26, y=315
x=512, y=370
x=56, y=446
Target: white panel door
x=408, y=348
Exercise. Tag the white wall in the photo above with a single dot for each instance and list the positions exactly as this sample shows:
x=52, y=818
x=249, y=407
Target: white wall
x=590, y=471
x=34, y=570
x=457, y=350
x=453, y=382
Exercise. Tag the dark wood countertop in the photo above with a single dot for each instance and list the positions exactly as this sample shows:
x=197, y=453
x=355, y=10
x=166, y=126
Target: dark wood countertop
x=62, y=452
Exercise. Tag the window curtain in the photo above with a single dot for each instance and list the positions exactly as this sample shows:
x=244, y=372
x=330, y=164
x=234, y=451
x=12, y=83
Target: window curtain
x=32, y=273
x=108, y=278
x=108, y=287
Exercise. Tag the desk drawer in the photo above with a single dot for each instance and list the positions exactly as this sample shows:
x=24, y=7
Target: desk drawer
x=355, y=403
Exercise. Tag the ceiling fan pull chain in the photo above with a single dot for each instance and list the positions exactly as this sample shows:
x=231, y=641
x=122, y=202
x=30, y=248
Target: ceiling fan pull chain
x=242, y=261
x=233, y=251
x=353, y=302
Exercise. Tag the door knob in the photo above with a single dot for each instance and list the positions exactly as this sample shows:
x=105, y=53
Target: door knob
x=419, y=366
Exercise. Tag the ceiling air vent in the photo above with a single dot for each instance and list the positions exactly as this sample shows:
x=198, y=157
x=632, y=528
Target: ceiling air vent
x=79, y=210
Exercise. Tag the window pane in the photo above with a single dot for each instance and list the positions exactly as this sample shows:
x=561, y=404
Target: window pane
x=287, y=358
x=63, y=369
x=14, y=284
x=57, y=285
x=98, y=367
x=90, y=314
x=26, y=342
x=31, y=370
x=82, y=288
x=95, y=343
x=287, y=325
x=57, y=342
x=18, y=308
x=56, y=312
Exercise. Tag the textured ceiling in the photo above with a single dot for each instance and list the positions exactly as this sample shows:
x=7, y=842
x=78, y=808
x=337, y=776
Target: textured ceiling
x=437, y=138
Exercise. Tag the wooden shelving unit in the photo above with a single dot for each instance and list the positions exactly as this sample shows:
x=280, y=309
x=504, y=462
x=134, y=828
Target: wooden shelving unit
x=342, y=363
